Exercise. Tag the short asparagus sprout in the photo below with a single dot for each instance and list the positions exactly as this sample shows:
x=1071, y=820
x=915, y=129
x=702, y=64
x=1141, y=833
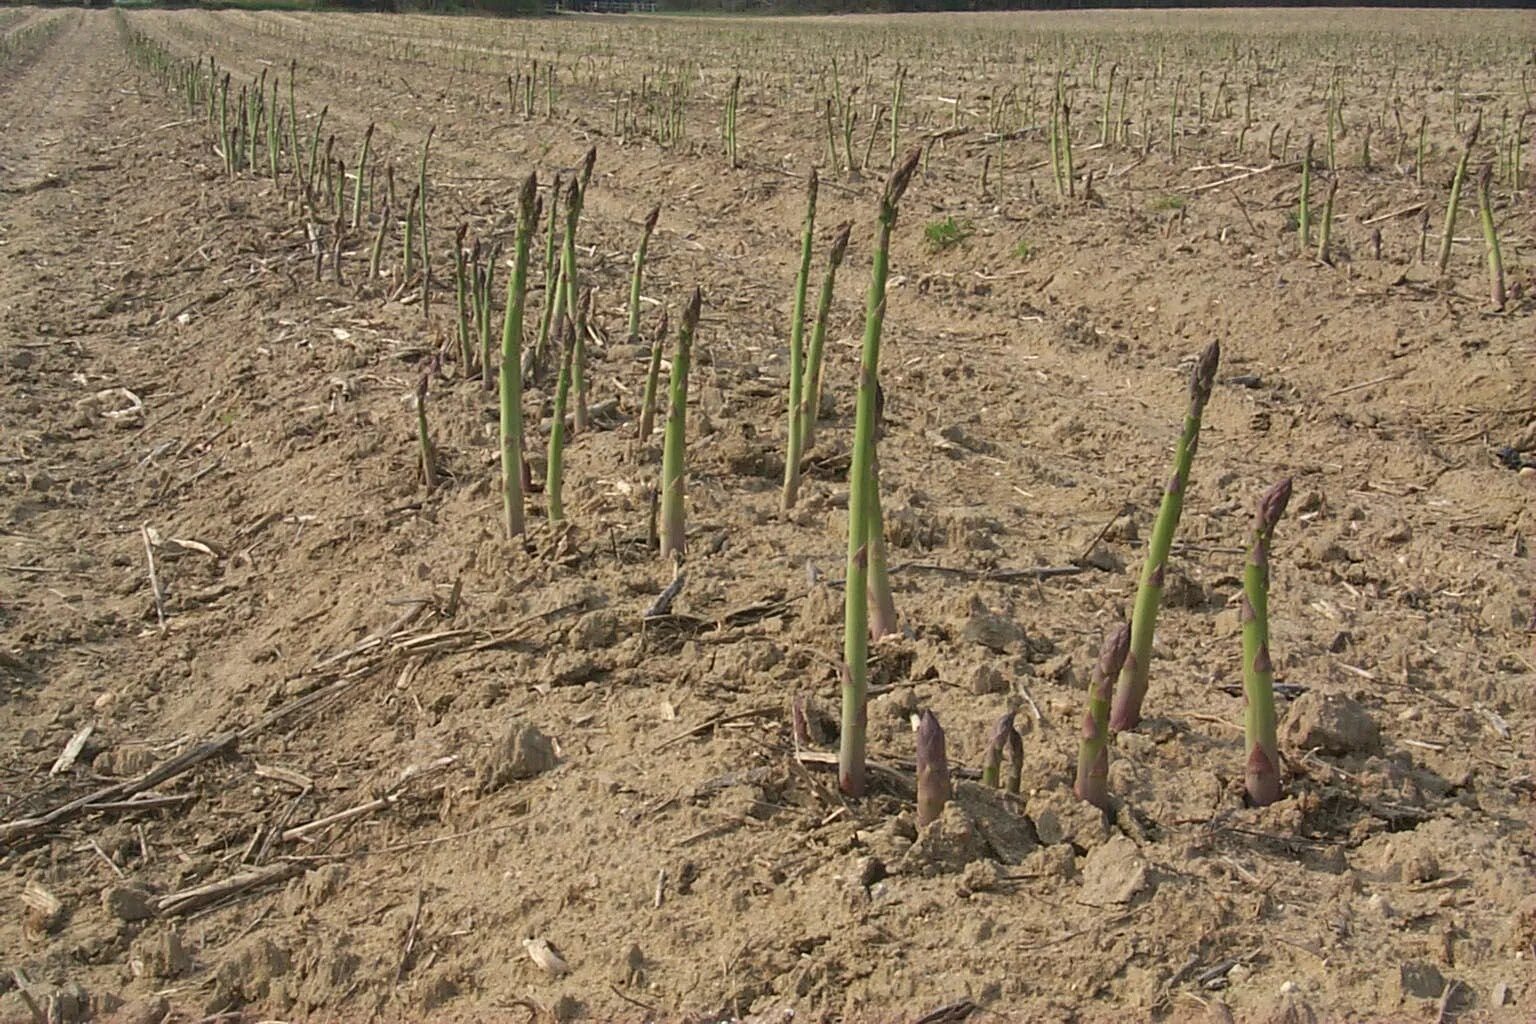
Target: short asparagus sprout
x=1491, y=238
x=1263, y=762
x=1093, y=753
x=1005, y=738
x=934, y=789
x=673, y=470
x=794, y=446
x=861, y=481
x=511, y=381
x=1132, y=690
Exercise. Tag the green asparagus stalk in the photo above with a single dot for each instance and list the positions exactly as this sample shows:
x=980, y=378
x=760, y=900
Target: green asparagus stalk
x=512, y=363
x=581, y=415
x=424, y=438
x=408, y=242
x=855, y=710
x=460, y=290
x=934, y=789
x=378, y=243
x=1132, y=689
x=1093, y=753
x=1304, y=215
x=810, y=399
x=673, y=471
x=570, y=292
x=1325, y=230
x=1455, y=198
x=554, y=469
x=362, y=172
x=634, y=280
x=1263, y=765
x=552, y=293
x=484, y=280
x=794, y=446
x=1490, y=237
x=882, y=604
x=652, y=376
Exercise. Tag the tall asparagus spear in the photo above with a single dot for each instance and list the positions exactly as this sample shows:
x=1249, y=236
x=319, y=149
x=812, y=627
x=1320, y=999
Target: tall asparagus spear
x=634, y=281
x=795, y=442
x=934, y=789
x=810, y=399
x=554, y=468
x=1449, y=235
x=1496, y=291
x=672, y=468
x=1126, y=712
x=855, y=712
x=1093, y=754
x=512, y=363
x=1263, y=767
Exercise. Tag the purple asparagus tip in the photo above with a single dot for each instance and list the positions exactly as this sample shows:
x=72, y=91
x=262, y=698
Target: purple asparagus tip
x=1272, y=506
x=1204, y=376
x=933, y=786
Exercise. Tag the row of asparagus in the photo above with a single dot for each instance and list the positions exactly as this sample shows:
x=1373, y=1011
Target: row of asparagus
x=1121, y=673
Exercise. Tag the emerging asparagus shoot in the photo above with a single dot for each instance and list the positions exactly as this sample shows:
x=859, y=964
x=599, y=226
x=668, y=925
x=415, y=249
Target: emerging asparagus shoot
x=934, y=789
x=1092, y=782
x=1263, y=765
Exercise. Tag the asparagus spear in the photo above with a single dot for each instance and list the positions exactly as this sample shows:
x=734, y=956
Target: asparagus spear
x=634, y=281
x=512, y=363
x=810, y=400
x=794, y=445
x=933, y=785
x=1093, y=754
x=1263, y=768
x=672, y=469
x=855, y=711
x=1126, y=712
x=653, y=374
x=1004, y=737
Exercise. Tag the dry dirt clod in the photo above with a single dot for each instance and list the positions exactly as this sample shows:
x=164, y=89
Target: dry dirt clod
x=1114, y=873
x=946, y=844
x=1331, y=723
x=128, y=903
x=521, y=753
x=994, y=631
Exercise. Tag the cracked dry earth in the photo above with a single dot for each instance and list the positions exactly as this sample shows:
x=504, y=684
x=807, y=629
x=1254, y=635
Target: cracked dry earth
x=413, y=772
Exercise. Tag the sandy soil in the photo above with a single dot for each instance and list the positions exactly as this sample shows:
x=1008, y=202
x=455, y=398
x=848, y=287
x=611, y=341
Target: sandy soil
x=329, y=637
